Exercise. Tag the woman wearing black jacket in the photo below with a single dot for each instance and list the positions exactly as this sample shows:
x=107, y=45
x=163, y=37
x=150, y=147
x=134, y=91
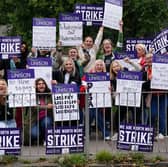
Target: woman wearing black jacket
x=6, y=114
x=67, y=74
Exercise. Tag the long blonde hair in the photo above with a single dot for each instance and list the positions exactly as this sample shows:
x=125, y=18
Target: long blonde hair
x=112, y=74
x=142, y=46
x=73, y=64
x=4, y=94
x=96, y=62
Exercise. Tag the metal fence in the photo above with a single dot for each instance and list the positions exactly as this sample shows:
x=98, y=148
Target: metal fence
x=101, y=125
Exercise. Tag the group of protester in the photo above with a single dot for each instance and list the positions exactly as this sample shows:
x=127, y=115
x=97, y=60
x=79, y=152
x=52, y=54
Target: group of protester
x=71, y=69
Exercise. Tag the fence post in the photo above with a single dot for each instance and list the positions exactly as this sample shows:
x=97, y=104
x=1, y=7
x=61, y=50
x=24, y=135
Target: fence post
x=86, y=125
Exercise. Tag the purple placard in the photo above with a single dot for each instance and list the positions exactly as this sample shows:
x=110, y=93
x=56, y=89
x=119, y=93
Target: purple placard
x=71, y=17
x=130, y=75
x=39, y=62
x=10, y=46
x=120, y=56
x=160, y=42
x=64, y=88
x=91, y=14
x=49, y=22
x=20, y=74
x=10, y=141
x=115, y=2
x=65, y=140
x=160, y=59
x=131, y=42
x=135, y=137
x=102, y=76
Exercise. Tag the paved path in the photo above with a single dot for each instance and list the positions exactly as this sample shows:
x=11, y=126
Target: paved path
x=160, y=148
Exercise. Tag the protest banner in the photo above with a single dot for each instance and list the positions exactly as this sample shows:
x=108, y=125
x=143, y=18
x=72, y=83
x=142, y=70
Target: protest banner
x=10, y=141
x=91, y=14
x=42, y=68
x=131, y=42
x=21, y=88
x=9, y=47
x=159, y=72
x=112, y=13
x=98, y=88
x=135, y=138
x=64, y=140
x=44, y=33
x=129, y=87
x=70, y=29
x=65, y=100
x=160, y=43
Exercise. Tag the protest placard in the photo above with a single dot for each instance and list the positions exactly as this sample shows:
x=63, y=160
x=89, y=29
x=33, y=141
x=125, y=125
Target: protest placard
x=135, y=138
x=112, y=13
x=131, y=42
x=120, y=58
x=65, y=140
x=129, y=87
x=9, y=47
x=70, y=29
x=65, y=100
x=10, y=141
x=98, y=88
x=42, y=68
x=160, y=42
x=159, y=72
x=21, y=88
x=44, y=33
x=91, y=14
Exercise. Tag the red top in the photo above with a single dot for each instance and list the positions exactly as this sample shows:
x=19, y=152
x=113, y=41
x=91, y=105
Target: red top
x=42, y=112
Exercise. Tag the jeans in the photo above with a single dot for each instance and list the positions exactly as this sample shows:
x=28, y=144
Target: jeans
x=81, y=116
x=8, y=124
x=99, y=120
x=39, y=128
x=158, y=107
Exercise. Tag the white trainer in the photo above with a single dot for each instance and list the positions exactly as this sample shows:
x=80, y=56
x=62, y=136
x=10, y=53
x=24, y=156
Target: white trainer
x=114, y=137
x=160, y=136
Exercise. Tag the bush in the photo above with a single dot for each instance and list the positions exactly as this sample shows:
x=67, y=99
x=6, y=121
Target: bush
x=157, y=159
x=138, y=158
x=7, y=159
x=120, y=158
x=104, y=157
x=74, y=160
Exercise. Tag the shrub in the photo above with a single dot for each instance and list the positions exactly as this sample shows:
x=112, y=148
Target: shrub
x=104, y=157
x=138, y=158
x=74, y=160
x=7, y=159
x=120, y=158
x=157, y=159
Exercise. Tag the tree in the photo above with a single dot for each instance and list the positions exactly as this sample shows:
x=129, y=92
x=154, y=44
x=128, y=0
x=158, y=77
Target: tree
x=145, y=18
x=141, y=18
